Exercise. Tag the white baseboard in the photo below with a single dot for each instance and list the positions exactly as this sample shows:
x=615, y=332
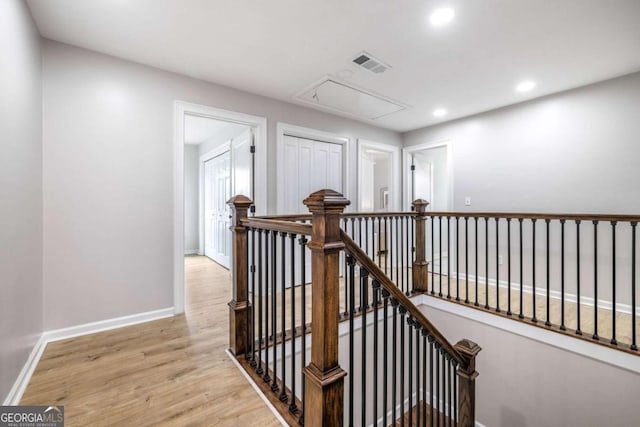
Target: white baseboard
x=20, y=385
x=579, y=346
x=190, y=251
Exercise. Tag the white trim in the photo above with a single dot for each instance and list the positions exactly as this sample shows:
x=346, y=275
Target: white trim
x=283, y=129
x=259, y=124
x=191, y=251
x=396, y=171
x=407, y=151
x=259, y=392
x=581, y=347
x=21, y=383
x=106, y=325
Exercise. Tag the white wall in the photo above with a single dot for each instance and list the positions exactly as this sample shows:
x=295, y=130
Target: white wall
x=227, y=133
x=191, y=191
x=525, y=383
x=575, y=151
x=108, y=174
x=20, y=189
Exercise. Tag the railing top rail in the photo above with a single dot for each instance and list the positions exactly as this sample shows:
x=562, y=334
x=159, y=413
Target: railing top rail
x=354, y=250
x=376, y=214
x=542, y=216
x=277, y=225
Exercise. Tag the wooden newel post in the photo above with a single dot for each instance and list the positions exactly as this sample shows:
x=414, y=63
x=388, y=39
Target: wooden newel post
x=420, y=265
x=325, y=379
x=238, y=306
x=467, y=383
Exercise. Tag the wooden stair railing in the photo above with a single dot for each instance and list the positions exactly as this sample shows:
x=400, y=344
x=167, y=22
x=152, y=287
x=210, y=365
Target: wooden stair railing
x=269, y=319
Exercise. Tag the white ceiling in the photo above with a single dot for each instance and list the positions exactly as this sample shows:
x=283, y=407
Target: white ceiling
x=278, y=48
x=199, y=129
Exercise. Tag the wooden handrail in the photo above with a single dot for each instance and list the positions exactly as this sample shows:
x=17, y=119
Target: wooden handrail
x=277, y=225
x=542, y=216
x=354, y=250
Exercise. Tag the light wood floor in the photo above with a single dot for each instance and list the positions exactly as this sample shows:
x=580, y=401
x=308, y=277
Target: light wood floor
x=172, y=372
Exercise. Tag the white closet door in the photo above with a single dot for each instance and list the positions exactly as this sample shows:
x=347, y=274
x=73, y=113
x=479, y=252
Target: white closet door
x=217, y=184
x=308, y=166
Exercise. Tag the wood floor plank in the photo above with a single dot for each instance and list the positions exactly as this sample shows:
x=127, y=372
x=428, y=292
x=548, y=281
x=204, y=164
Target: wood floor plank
x=170, y=372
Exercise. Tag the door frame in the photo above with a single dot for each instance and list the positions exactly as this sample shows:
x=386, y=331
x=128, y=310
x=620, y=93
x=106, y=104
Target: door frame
x=180, y=109
x=217, y=151
x=406, y=157
x=283, y=129
x=395, y=187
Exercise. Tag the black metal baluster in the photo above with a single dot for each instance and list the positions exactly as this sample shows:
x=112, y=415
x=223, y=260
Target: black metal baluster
x=412, y=239
x=397, y=255
x=360, y=231
x=497, y=265
x=521, y=315
x=449, y=388
x=403, y=255
x=283, y=319
x=562, y=256
x=548, y=321
x=457, y=259
x=253, y=362
x=433, y=255
x=613, y=268
x=267, y=281
x=292, y=405
x=379, y=242
x=385, y=352
x=410, y=373
x=440, y=256
x=424, y=377
x=634, y=345
x=409, y=257
x=578, y=303
x=366, y=236
x=595, y=281
x=303, y=297
x=448, y=257
x=386, y=250
x=431, y=379
x=534, y=319
x=403, y=312
x=261, y=259
x=352, y=311
x=486, y=263
x=364, y=280
x=438, y=385
x=455, y=393
x=417, y=327
x=394, y=359
x=466, y=260
x=376, y=304
x=476, y=262
x=274, y=311
x=346, y=288
x=509, y=266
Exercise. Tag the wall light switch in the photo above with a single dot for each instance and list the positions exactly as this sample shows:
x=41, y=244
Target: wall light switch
x=467, y=201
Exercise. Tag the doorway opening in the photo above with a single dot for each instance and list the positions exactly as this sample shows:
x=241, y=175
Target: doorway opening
x=219, y=154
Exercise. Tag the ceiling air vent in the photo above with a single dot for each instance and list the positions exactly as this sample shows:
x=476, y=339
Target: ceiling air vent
x=370, y=63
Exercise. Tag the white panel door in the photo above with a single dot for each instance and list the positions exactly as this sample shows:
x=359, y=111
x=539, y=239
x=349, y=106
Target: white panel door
x=217, y=184
x=309, y=166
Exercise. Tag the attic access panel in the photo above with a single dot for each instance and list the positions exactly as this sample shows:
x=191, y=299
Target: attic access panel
x=340, y=97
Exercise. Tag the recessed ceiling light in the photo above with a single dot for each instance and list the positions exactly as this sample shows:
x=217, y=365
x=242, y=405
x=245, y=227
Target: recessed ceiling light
x=525, y=86
x=439, y=112
x=441, y=16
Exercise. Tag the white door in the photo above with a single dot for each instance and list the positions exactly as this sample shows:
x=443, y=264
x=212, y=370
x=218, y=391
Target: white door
x=217, y=190
x=308, y=166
